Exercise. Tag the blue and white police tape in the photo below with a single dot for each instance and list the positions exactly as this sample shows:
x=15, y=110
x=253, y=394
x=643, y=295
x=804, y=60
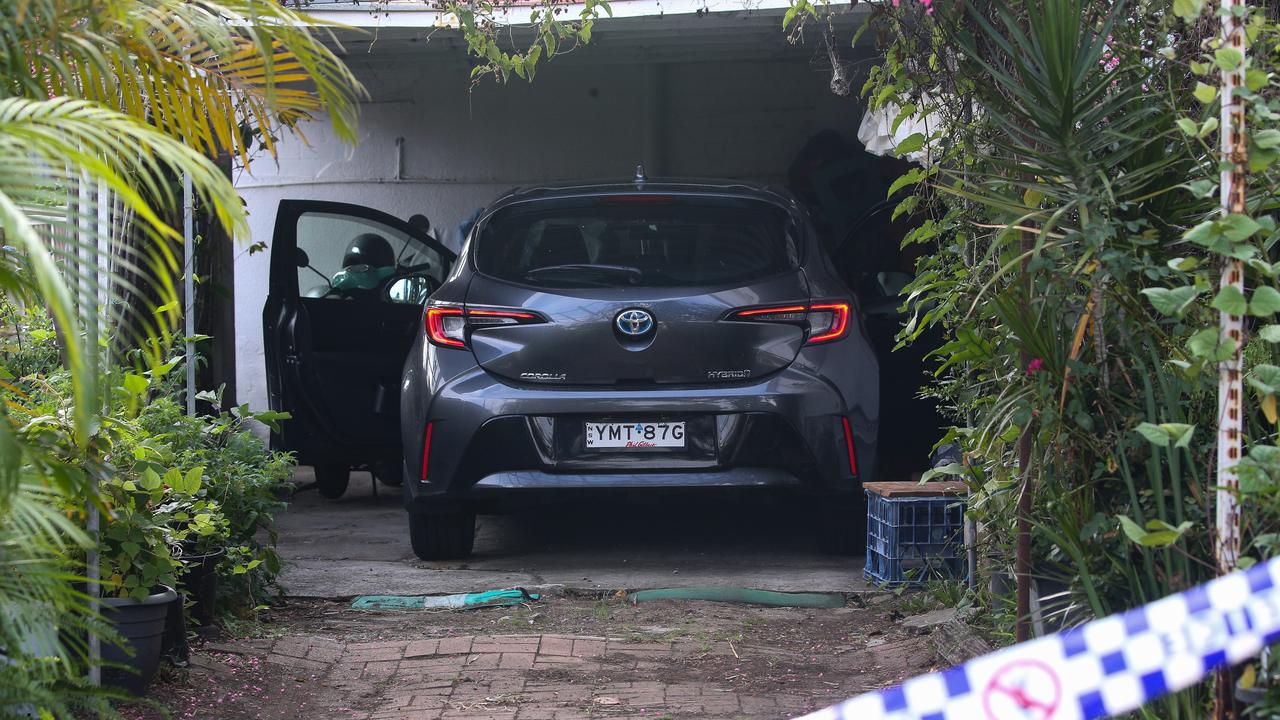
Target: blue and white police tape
x=1103, y=668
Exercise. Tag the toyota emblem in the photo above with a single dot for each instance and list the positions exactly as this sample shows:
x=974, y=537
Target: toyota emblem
x=634, y=322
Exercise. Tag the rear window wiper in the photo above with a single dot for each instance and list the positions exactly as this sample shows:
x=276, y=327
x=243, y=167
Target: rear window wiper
x=633, y=272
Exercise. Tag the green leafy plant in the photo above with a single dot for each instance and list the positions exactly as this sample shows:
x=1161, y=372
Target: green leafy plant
x=1071, y=196
x=104, y=105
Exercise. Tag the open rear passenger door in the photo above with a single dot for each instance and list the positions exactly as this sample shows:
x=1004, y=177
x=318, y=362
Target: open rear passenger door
x=344, y=303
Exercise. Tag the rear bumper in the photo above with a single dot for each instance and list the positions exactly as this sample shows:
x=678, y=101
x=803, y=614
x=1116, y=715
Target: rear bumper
x=537, y=480
x=492, y=438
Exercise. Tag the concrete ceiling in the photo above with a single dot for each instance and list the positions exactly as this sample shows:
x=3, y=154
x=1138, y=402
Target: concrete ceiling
x=675, y=38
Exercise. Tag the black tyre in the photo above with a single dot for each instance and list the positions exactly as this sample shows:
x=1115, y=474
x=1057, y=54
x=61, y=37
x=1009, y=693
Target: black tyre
x=332, y=479
x=842, y=528
x=442, y=537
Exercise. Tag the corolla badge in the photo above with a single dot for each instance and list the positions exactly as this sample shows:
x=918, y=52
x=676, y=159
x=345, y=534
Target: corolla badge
x=634, y=322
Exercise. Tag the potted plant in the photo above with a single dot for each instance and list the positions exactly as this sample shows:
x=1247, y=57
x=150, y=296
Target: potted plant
x=198, y=532
x=139, y=572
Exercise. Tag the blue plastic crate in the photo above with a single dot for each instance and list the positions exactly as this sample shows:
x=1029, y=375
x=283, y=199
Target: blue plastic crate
x=913, y=539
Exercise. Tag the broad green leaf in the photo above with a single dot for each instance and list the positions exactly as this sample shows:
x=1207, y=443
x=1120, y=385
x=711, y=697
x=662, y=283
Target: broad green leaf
x=1154, y=435
x=1264, y=302
x=1156, y=534
x=1183, y=264
x=1270, y=333
x=1202, y=188
x=904, y=114
x=1228, y=58
x=135, y=384
x=1179, y=433
x=1172, y=301
x=1265, y=378
x=910, y=177
x=1205, y=233
x=151, y=480
x=1188, y=9
x=1164, y=434
x=911, y=144
x=1269, y=138
x=193, y=478
x=1238, y=228
x=1230, y=300
x=1205, y=345
x=1131, y=529
x=1187, y=126
x=1205, y=93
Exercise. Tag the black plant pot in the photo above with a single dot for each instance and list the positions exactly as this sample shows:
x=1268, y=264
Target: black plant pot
x=1248, y=696
x=140, y=624
x=200, y=583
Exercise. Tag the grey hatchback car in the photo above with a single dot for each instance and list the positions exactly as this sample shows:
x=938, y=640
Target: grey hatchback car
x=632, y=336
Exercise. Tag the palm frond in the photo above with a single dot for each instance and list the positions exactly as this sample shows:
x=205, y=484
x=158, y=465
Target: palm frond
x=201, y=71
x=61, y=143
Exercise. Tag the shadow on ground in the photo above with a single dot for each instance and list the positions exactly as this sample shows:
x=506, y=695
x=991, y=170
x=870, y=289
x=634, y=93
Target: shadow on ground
x=359, y=545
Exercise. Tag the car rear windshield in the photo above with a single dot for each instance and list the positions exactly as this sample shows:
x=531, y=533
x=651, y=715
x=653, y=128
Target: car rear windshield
x=636, y=241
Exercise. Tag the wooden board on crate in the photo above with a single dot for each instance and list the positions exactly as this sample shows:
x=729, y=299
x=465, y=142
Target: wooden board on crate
x=915, y=489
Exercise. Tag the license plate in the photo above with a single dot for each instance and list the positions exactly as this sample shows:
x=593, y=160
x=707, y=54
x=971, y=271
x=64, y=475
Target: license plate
x=635, y=435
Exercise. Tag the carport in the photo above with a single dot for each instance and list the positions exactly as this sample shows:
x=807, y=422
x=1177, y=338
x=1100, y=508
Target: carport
x=686, y=89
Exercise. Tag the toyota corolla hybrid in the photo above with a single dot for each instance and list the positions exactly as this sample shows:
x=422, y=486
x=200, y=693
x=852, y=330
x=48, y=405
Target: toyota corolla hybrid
x=635, y=336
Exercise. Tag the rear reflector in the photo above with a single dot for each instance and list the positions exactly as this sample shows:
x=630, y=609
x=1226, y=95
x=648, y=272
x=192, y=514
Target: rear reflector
x=426, y=449
x=848, y=445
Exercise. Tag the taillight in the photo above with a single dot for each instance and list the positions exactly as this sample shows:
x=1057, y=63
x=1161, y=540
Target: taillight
x=848, y=446
x=824, y=321
x=447, y=325
x=827, y=322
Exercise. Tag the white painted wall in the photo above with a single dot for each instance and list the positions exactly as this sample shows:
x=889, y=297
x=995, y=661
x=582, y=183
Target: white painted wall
x=577, y=121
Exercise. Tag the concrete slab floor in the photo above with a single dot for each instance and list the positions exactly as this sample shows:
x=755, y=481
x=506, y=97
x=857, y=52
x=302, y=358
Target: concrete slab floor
x=359, y=545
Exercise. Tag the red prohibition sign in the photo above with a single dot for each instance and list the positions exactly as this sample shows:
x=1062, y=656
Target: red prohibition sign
x=1022, y=690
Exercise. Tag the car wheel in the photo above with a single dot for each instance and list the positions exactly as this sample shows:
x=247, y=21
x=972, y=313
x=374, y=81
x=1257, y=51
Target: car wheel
x=332, y=479
x=388, y=474
x=442, y=537
x=842, y=528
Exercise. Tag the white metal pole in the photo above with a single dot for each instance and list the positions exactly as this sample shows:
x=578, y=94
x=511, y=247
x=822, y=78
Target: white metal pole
x=1230, y=401
x=85, y=274
x=188, y=288
x=1231, y=144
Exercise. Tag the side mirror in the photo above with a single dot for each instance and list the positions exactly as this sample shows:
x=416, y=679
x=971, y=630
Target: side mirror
x=301, y=258
x=410, y=289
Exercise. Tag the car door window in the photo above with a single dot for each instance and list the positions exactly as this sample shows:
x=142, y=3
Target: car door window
x=343, y=257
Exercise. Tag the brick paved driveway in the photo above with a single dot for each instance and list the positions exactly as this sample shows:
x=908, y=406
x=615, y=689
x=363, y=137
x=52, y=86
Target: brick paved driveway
x=558, y=677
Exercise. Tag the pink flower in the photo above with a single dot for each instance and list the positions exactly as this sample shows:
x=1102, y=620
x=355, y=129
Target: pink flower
x=1035, y=366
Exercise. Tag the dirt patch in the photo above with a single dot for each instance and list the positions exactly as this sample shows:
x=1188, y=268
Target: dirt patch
x=676, y=659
